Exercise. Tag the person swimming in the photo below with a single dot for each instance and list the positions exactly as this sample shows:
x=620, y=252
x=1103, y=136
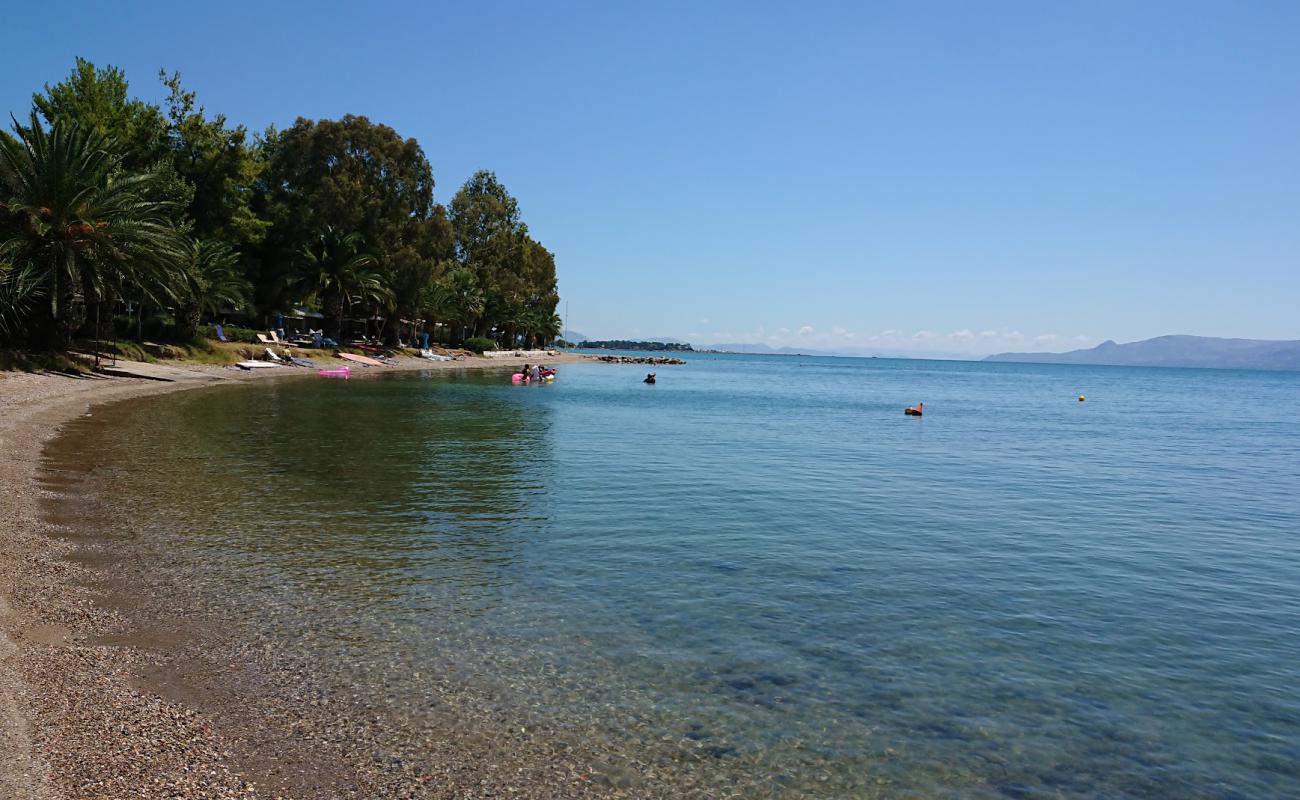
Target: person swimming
x=536, y=372
x=650, y=377
x=914, y=411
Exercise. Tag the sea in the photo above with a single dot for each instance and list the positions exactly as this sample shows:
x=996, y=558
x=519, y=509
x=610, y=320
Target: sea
x=756, y=577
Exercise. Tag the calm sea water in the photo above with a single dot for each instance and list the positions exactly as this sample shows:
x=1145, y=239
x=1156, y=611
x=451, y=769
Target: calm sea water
x=760, y=561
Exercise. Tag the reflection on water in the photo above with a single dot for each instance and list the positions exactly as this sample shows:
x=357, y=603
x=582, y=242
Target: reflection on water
x=758, y=573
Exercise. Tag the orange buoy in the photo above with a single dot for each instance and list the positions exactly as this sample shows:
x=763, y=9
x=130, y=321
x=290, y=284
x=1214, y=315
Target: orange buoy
x=914, y=411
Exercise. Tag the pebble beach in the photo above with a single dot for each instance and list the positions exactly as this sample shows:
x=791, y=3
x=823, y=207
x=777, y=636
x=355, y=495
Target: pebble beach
x=79, y=715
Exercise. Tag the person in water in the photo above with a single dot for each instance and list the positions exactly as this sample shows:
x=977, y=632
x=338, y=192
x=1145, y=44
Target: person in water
x=914, y=411
x=650, y=377
x=536, y=372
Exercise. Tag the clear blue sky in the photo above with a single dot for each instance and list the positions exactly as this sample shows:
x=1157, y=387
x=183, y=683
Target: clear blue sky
x=929, y=177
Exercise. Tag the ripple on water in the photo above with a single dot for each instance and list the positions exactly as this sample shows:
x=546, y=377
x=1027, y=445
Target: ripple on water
x=761, y=574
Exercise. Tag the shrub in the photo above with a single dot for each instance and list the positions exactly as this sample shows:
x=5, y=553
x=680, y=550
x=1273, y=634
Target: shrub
x=233, y=333
x=480, y=344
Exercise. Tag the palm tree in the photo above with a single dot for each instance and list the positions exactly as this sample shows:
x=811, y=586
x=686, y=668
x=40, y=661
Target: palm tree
x=437, y=304
x=338, y=275
x=543, y=326
x=89, y=231
x=212, y=280
x=20, y=287
x=467, y=299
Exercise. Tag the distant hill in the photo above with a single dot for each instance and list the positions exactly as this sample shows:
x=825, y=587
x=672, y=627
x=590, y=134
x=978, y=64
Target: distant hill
x=1176, y=351
x=573, y=336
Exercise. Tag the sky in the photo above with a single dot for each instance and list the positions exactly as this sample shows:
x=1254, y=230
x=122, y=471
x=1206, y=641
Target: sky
x=940, y=178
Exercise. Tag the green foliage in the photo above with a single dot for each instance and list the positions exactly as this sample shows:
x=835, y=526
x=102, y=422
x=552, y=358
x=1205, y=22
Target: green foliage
x=98, y=99
x=211, y=280
x=220, y=164
x=162, y=329
x=346, y=175
x=480, y=344
x=20, y=289
x=27, y=361
x=108, y=202
x=233, y=333
x=336, y=271
x=89, y=230
x=514, y=275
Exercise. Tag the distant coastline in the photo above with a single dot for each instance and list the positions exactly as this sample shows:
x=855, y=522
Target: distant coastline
x=1176, y=351
x=626, y=344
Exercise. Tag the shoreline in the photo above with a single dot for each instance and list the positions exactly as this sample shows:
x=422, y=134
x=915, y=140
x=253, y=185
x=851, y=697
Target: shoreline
x=74, y=721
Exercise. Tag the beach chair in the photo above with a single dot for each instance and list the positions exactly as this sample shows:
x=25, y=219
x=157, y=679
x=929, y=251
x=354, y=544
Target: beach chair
x=264, y=339
x=275, y=338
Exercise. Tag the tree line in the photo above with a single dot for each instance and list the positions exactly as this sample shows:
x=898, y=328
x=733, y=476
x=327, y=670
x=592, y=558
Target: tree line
x=112, y=206
x=627, y=344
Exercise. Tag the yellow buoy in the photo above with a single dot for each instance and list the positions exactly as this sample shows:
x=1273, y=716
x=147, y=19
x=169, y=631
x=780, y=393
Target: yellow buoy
x=1080, y=398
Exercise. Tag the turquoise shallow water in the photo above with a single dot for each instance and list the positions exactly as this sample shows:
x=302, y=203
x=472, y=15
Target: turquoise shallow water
x=760, y=559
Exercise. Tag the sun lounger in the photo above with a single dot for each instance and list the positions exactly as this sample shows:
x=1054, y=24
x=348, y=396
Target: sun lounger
x=221, y=335
x=370, y=362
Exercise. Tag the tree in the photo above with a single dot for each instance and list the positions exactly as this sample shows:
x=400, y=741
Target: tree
x=488, y=237
x=413, y=269
x=538, y=295
x=20, y=288
x=98, y=99
x=219, y=162
x=89, y=230
x=339, y=275
x=349, y=175
x=542, y=326
x=454, y=300
x=212, y=279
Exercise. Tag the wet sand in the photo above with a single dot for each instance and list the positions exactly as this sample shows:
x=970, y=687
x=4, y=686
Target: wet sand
x=86, y=710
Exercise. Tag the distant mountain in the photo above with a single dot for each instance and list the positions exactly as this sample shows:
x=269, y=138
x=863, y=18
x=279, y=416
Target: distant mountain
x=1176, y=351
x=573, y=336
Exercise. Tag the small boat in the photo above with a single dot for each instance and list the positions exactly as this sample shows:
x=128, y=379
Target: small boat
x=341, y=372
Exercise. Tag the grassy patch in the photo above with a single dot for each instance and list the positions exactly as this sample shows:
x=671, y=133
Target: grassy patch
x=19, y=361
